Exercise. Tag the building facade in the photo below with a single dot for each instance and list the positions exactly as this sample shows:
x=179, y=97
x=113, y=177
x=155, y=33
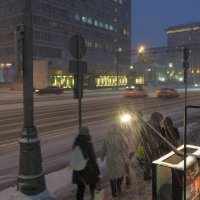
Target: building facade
x=178, y=37
x=105, y=25
x=150, y=66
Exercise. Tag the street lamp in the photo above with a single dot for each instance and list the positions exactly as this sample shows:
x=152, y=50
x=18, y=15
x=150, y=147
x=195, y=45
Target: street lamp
x=31, y=179
x=141, y=50
x=125, y=118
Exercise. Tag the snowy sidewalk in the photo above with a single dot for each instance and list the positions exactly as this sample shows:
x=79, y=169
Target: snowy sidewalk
x=59, y=187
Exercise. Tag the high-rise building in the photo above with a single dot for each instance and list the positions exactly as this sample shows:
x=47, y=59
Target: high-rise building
x=104, y=24
x=178, y=37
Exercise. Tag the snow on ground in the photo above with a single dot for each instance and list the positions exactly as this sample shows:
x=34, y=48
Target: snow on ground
x=58, y=186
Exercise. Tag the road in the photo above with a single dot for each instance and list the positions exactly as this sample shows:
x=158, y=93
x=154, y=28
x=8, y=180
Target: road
x=56, y=119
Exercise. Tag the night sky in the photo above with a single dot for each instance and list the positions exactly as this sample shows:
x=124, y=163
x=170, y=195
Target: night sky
x=151, y=17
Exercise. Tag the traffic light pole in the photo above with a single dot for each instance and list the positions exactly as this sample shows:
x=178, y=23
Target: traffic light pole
x=80, y=94
x=77, y=48
x=117, y=65
x=31, y=177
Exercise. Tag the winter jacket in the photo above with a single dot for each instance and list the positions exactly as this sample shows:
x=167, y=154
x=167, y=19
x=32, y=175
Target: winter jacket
x=172, y=135
x=90, y=174
x=116, y=151
x=150, y=141
x=170, y=132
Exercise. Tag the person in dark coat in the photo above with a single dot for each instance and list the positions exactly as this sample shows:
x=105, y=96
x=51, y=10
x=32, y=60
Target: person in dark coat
x=151, y=143
x=170, y=132
x=90, y=175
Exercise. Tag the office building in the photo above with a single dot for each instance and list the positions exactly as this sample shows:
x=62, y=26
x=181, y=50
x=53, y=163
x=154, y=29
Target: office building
x=178, y=37
x=105, y=26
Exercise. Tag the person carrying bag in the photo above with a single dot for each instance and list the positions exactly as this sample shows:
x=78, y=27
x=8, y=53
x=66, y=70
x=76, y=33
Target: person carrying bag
x=88, y=174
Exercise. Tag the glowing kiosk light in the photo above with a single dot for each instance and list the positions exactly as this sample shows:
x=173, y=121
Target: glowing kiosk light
x=168, y=173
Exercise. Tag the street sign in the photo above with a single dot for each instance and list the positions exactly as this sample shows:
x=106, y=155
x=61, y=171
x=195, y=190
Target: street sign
x=77, y=46
x=74, y=66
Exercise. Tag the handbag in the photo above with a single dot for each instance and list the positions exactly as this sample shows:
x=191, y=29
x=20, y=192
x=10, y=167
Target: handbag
x=100, y=194
x=77, y=160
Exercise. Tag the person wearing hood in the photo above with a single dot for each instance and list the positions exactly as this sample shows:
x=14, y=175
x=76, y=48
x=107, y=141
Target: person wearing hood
x=151, y=143
x=90, y=174
x=116, y=151
x=155, y=140
x=170, y=132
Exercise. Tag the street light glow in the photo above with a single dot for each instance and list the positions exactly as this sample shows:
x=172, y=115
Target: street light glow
x=125, y=118
x=141, y=49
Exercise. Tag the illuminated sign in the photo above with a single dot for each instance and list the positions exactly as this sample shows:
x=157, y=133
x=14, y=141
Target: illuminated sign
x=193, y=182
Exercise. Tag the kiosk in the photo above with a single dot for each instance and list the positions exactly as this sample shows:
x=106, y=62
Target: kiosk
x=168, y=176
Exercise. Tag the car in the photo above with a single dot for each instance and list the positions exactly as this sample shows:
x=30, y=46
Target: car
x=167, y=93
x=50, y=90
x=135, y=91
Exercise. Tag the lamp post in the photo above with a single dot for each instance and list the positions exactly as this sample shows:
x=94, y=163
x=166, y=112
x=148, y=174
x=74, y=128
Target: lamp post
x=31, y=177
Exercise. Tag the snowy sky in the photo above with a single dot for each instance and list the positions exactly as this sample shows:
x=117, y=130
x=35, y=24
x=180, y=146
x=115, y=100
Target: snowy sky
x=151, y=17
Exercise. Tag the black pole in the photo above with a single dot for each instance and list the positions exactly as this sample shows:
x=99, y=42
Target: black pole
x=117, y=66
x=185, y=67
x=80, y=84
x=31, y=177
x=80, y=94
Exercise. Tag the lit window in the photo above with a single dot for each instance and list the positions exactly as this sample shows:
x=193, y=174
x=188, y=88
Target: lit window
x=89, y=21
x=119, y=49
x=106, y=26
x=96, y=23
x=124, y=31
x=111, y=27
x=101, y=24
x=96, y=45
x=84, y=19
x=77, y=17
x=88, y=43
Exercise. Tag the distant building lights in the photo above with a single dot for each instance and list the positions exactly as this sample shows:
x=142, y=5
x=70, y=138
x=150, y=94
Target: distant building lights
x=181, y=79
x=170, y=65
x=6, y=65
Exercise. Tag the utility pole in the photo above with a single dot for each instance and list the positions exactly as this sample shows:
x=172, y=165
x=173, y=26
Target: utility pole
x=185, y=68
x=31, y=176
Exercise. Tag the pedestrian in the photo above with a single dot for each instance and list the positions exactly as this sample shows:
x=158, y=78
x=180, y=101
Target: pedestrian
x=130, y=144
x=90, y=174
x=170, y=132
x=156, y=141
x=115, y=149
x=151, y=143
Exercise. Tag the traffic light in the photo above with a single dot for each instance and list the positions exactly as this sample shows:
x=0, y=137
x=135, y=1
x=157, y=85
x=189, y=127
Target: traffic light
x=77, y=85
